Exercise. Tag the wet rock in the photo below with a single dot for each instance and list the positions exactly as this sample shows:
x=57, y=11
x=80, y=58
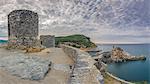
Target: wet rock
x=106, y=57
x=106, y=54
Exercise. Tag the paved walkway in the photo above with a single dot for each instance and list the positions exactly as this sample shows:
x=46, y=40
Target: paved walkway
x=58, y=74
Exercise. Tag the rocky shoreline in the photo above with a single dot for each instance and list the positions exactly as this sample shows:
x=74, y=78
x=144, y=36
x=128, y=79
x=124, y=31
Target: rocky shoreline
x=117, y=54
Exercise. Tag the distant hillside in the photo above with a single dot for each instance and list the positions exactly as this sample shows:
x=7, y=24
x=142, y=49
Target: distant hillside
x=79, y=41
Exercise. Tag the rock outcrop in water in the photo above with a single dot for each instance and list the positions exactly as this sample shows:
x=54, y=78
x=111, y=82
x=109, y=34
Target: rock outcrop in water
x=119, y=55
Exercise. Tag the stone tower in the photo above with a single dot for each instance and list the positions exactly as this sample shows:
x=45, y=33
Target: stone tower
x=22, y=28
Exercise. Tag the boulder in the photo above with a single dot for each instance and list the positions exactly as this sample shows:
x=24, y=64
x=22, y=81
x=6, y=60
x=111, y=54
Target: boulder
x=25, y=67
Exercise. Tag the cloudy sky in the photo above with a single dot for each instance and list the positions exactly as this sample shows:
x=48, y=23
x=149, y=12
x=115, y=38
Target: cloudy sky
x=104, y=34
x=105, y=21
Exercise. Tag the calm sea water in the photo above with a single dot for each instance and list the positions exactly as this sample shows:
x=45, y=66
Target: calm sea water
x=135, y=70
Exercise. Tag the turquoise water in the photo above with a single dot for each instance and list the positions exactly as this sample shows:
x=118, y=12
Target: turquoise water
x=135, y=70
x=3, y=41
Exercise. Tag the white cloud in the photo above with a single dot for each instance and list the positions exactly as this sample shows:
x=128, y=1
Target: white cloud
x=99, y=33
x=65, y=17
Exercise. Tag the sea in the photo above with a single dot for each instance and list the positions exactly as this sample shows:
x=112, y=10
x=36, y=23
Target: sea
x=131, y=71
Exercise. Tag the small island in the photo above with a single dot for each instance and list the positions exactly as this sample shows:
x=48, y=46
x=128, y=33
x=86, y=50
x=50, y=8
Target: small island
x=119, y=55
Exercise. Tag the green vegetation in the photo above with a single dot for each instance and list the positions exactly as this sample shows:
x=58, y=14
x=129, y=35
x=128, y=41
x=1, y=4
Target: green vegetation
x=77, y=40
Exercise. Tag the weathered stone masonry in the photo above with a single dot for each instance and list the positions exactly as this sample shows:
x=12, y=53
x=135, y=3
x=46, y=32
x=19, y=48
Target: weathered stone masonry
x=23, y=28
x=84, y=70
x=47, y=40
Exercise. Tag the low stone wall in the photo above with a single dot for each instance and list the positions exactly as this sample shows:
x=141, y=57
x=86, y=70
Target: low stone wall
x=84, y=70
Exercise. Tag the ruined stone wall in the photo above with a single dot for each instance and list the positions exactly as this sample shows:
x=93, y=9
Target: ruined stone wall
x=84, y=71
x=23, y=28
x=47, y=40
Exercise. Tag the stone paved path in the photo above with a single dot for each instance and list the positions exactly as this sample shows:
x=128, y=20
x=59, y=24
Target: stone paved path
x=58, y=74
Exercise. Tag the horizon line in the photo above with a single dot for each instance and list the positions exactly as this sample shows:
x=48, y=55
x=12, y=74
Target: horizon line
x=6, y=38
x=120, y=43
